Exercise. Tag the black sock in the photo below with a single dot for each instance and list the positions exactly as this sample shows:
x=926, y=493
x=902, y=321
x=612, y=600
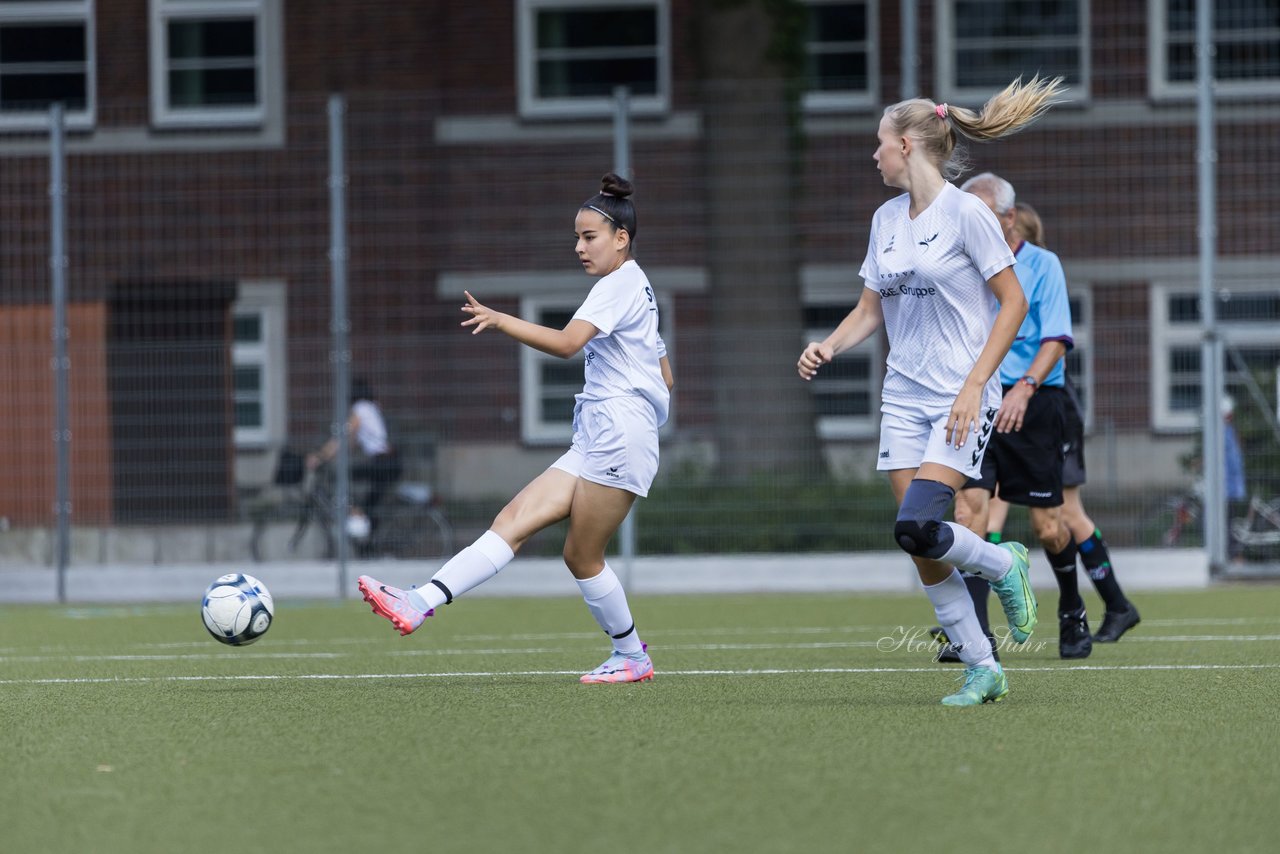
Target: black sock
x=980, y=592
x=1064, y=571
x=1097, y=562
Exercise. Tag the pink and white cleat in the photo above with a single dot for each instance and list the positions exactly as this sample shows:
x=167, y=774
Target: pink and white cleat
x=392, y=603
x=620, y=668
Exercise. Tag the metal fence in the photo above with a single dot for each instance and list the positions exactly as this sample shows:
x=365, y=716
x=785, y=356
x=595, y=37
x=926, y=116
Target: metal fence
x=218, y=301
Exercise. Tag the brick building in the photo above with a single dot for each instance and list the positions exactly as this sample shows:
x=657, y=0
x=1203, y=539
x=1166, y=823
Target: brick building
x=198, y=219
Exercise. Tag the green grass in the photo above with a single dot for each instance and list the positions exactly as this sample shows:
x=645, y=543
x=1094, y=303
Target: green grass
x=474, y=735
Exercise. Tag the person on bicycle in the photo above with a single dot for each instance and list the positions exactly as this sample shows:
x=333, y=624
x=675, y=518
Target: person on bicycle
x=614, y=454
x=376, y=462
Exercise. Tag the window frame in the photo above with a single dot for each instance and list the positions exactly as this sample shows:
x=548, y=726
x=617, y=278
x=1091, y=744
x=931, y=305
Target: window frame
x=945, y=46
x=1165, y=336
x=531, y=106
x=1160, y=88
x=266, y=300
x=57, y=12
x=268, y=62
x=534, y=430
x=851, y=99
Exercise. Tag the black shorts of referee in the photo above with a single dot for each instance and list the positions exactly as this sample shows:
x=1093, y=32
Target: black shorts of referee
x=1073, y=446
x=1027, y=464
x=1073, y=450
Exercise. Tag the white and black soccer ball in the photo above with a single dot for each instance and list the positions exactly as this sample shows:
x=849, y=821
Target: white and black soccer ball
x=237, y=609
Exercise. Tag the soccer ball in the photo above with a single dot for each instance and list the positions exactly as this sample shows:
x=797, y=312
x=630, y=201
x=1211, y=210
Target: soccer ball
x=237, y=609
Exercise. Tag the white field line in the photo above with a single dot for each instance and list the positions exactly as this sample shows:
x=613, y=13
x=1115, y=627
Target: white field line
x=523, y=650
x=892, y=643
x=380, y=639
x=238, y=655
x=875, y=630
x=493, y=674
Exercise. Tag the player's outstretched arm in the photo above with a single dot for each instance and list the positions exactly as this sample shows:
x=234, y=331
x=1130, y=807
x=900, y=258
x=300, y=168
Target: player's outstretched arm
x=554, y=342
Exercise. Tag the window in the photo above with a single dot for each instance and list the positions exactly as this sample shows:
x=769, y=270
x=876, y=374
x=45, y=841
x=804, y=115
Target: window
x=573, y=54
x=1246, y=41
x=841, y=63
x=1247, y=315
x=1080, y=356
x=257, y=357
x=46, y=58
x=213, y=62
x=548, y=384
x=846, y=393
x=984, y=44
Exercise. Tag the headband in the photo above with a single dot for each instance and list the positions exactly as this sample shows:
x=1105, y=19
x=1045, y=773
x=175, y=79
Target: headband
x=602, y=213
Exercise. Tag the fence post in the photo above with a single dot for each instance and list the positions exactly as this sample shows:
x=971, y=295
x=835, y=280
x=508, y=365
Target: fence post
x=61, y=361
x=622, y=165
x=1215, y=519
x=339, y=327
x=910, y=56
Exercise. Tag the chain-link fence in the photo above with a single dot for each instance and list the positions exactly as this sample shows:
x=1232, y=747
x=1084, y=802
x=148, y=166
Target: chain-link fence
x=201, y=340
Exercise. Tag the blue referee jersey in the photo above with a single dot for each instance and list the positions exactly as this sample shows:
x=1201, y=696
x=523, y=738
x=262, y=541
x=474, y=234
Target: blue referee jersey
x=1048, y=314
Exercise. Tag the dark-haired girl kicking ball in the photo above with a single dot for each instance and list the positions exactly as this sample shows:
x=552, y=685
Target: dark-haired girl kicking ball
x=614, y=455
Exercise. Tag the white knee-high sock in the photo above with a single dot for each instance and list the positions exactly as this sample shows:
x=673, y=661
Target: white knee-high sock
x=472, y=566
x=954, y=609
x=607, y=602
x=974, y=554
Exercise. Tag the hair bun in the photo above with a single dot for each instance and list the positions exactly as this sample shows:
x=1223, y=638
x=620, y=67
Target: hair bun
x=613, y=184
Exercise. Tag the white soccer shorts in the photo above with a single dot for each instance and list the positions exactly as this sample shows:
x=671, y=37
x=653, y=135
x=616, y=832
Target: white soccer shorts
x=908, y=442
x=615, y=443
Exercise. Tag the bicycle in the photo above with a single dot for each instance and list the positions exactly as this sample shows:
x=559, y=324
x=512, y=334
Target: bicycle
x=1260, y=526
x=1179, y=516
x=413, y=526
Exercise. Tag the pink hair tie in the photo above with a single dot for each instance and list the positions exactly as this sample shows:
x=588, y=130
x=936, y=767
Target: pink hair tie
x=941, y=110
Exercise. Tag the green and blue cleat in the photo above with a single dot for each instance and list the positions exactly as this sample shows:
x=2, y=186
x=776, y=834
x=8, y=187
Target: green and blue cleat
x=1016, y=596
x=981, y=685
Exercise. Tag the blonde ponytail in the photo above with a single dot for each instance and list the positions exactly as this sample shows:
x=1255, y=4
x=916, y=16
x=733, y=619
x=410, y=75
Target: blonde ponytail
x=937, y=126
x=1009, y=111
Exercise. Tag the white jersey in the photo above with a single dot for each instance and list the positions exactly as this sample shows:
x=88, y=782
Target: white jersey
x=371, y=434
x=622, y=359
x=931, y=273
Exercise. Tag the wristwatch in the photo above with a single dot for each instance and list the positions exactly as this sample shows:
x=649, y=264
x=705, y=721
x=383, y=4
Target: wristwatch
x=1031, y=381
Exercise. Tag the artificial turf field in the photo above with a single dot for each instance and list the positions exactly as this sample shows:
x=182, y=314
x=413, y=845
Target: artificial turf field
x=775, y=723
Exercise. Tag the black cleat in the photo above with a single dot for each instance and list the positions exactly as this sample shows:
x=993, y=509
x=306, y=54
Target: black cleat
x=1073, y=635
x=1116, y=623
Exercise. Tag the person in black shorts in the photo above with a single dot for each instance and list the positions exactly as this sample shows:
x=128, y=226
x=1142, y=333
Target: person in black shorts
x=1120, y=614
x=1025, y=459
